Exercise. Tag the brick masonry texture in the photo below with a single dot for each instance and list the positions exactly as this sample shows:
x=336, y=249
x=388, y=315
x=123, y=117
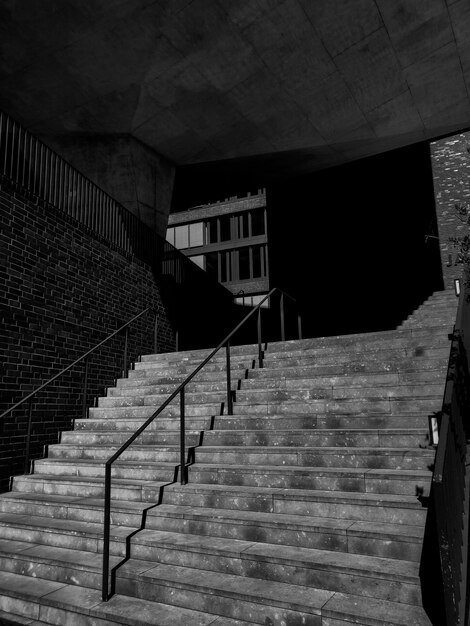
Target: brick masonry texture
x=451, y=174
x=62, y=290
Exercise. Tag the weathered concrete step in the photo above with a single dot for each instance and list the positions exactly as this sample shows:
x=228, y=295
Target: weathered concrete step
x=358, y=480
x=389, y=508
x=375, y=386
x=50, y=602
x=63, y=533
x=148, y=437
x=256, y=395
x=264, y=602
x=321, y=456
x=389, y=437
x=190, y=365
x=390, y=405
x=418, y=372
x=309, y=567
x=374, y=539
x=104, y=451
x=212, y=398
x=73, y=508
x=255, y=422
x=192, y=410
x=90, y=487
x=310, y=392
x=133, y=470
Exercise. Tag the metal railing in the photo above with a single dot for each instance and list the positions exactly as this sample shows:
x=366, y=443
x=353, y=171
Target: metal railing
x=85, y=359
x=180, y=390
x=450, y=483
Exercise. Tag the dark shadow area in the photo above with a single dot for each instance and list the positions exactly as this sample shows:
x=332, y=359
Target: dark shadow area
x=430, y=574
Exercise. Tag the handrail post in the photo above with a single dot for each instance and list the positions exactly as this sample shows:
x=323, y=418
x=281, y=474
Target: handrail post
x=124, y=358
x=260, y=351
x=85, y=389
x=281, y=305
x=299, y=324
x=155, y=334
x=182, y=440
x=106, y=533
x=229, y=383
x=28, y=437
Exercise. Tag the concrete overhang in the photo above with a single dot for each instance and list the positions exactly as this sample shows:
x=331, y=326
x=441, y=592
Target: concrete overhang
x=278, y=85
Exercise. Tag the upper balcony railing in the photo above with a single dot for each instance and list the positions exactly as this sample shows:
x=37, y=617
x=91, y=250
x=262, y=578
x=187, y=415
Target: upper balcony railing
x=33, y=166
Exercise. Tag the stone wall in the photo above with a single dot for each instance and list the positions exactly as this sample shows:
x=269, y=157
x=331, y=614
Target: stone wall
x=451, y=174
x=63, y=289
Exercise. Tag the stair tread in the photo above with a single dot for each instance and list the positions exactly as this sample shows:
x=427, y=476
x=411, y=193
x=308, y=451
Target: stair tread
x=119, y=609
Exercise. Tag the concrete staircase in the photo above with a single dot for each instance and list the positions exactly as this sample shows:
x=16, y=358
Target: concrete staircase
x=306, y=507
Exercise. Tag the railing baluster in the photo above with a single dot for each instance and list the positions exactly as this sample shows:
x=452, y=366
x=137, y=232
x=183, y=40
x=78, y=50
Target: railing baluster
x=124, y=358
x=281, y=306
x=260, y=351
x=85, y=389
x=299, y=325
x=182, y=439
x=229, y=382
x=106, y=532
x=28, y=437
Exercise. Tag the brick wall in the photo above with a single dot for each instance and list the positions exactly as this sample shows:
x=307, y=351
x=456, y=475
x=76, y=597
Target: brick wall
x=62, y=290
x=451, y=174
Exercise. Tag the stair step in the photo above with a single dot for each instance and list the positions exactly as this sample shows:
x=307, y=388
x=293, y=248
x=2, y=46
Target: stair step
x=390, y=508
x=310, y=568
x=51, y=602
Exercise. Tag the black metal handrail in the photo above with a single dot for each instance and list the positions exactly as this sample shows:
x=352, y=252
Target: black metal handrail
x=450, y=483
x=180, y=390
x=85, y=357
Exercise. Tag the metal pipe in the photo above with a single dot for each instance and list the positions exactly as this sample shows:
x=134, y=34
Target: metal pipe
x=28, y=437
x=106, y=531
x=85, y=390
x=299, y=325
x=229, y=383
x=124, y=358
x=260, y=351
x=182, y=440
x=281, y=305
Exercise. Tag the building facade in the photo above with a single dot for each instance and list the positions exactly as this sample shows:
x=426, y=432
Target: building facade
x=229, y=240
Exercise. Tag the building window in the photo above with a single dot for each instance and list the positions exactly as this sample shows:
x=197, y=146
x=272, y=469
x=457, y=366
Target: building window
x=181, y=237
x=252, y=300
x=196, y=234
x=257, y=223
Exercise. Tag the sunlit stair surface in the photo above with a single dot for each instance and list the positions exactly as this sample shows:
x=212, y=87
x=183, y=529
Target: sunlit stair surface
x=307, y=506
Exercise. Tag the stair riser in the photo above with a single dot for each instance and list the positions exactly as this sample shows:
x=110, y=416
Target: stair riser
x=119, y=437
x=81, y=490
x=93, y=515
x=392, y=406
x=295, y=573
x=346, y=458
x=352, y=510
x=280, y=395
x=132, y=424
x=317, y=538
x=228, y=606
x=96, y=453
x=62, y=540
x=192, y=410
x=133, y=473
x=311, y=480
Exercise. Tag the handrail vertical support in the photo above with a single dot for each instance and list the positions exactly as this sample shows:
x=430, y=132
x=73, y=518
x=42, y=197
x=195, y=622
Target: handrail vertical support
x=229, y=382
x=283, y=330
x=155, y=334
x=182, y=440
x=124, y=358
x=260, y=350
x=28, y=437
x=106, y=532
x=85, y=389
x=299, y=324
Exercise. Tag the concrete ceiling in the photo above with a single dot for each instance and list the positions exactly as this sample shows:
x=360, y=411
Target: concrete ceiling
x=296, y=84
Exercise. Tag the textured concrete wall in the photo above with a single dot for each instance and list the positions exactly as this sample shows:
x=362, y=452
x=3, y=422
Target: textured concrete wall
x=451, y=174
x=134, y=175
x=62, y=290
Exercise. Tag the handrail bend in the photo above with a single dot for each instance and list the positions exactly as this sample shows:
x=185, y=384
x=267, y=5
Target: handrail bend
x=181, y=391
